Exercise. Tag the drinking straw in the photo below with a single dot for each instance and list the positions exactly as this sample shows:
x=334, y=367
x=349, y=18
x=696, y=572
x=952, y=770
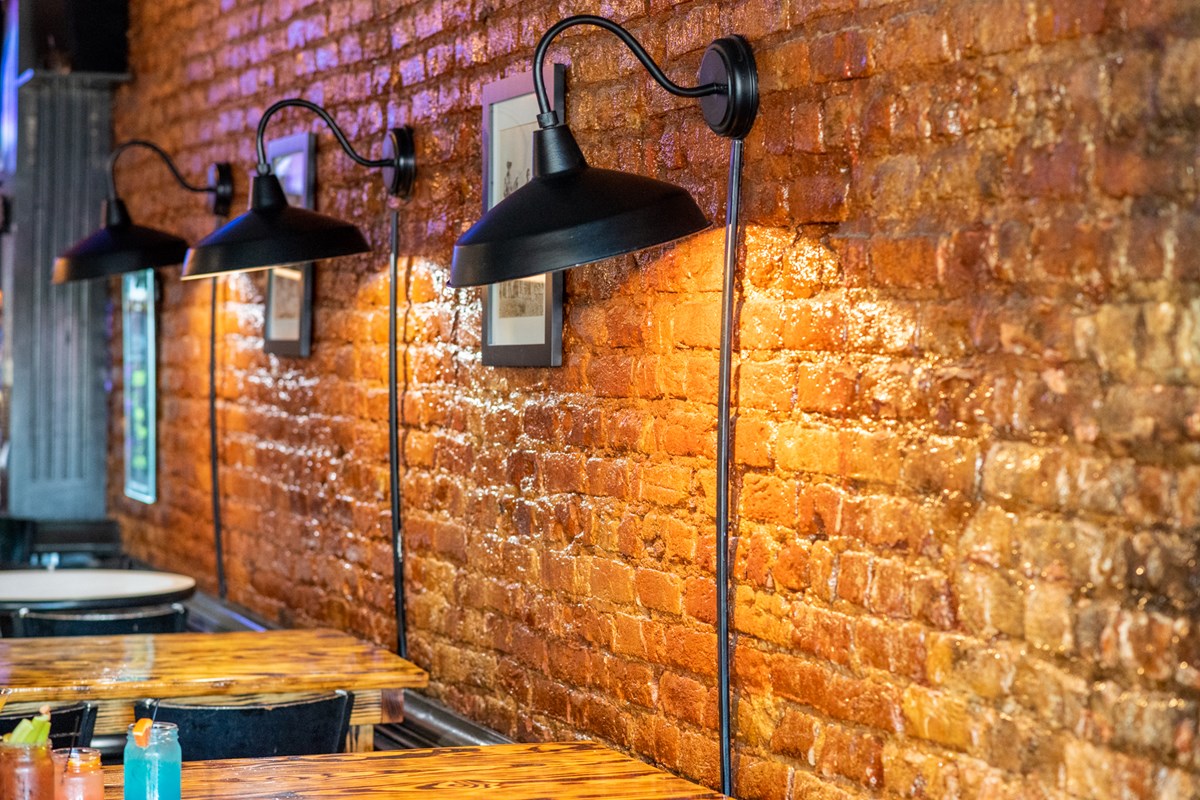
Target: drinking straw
x=70, y=748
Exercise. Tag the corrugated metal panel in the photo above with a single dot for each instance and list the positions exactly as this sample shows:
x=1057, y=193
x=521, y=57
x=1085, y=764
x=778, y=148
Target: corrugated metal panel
x=57, y=335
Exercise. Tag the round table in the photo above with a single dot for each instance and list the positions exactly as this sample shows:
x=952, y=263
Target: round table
x=83, y=589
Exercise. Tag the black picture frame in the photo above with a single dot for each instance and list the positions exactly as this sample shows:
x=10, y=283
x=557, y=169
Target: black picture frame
x=287, y=323
x=516, y=332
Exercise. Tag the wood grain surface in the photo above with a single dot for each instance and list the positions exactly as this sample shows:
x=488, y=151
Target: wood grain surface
x=558, y=771
x=239, y=667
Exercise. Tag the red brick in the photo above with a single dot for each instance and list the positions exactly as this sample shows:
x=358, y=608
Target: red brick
x=684, y=647
x=820, y=189
x=1051, y=172
x=824, y=634
x=767, y=498
x=684, y=698
x=814, y=326
x=791, y=570
x=665, y=484
x=752, y=442
x=838, y=56
x=879, y=645
x=767, y=385
x=850, y=755
x=1067, y=19
x=913, y=39
x=827, y=388
x=808, y=128
x=795, y=735
x=659, y=738
x=762, y=779
x=612, y=581
x=854, y=577
x=700, y=600
x=699, y=758
x=865, y=702
x=910, y=262
x=659, y=590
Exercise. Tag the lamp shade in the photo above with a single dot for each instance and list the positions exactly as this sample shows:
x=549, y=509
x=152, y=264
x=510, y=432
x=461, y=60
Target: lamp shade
x=570, y=214
x=271, y=234
x=118, y=247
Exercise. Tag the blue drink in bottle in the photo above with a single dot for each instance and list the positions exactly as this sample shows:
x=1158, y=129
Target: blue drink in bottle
x=152, y=771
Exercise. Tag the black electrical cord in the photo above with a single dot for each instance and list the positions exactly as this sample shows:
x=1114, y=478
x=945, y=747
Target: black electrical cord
x=724, y=433
x=394, y=446
x=213, y=455
x=741, y=92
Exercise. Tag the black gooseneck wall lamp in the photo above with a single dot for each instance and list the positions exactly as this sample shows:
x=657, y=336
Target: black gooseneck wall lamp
x=272, y=234
x=119, y=246
x=571, y=214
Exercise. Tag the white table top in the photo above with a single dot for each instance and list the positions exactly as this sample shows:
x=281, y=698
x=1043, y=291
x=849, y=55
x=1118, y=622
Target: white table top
x=44, y=589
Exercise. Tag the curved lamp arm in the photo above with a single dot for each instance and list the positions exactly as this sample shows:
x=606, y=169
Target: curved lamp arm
x=220, y=176
x=539, y=59
x=398, y=162
x=729, y=94
x=152, y=147
x=264, y=167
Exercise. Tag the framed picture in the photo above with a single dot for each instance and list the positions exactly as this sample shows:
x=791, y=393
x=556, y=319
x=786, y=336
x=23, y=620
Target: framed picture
x=288, y=327
x=522, y=319
x=141, y=385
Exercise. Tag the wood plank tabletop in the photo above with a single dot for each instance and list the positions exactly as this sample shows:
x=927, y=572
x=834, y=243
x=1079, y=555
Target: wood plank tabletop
x=257, y=666
x=563, y=771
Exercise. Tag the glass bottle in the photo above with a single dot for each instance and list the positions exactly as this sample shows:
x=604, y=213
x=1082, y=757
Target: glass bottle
x=77, y=774
x=26, y=772
x=152, y=772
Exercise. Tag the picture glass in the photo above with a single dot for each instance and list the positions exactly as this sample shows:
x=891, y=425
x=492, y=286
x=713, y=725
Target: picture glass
x=517, y=308
x=292, y=171
x=287, y=303
x=141, y=381
x=288, y=326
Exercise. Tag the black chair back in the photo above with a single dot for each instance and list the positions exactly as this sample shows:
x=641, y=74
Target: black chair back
x=304, y=727
x=153, y=619
x=69, y=725
x=16, y=541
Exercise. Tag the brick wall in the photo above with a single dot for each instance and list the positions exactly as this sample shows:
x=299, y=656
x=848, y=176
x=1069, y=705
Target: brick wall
x=968, y=399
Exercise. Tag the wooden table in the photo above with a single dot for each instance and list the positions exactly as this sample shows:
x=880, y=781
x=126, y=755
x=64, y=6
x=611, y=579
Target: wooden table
x=255, y=666
x=82, y=589
x=567, y=771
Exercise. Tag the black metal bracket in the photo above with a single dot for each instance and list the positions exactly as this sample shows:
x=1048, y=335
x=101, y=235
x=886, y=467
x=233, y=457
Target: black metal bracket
x=220, y=184
x=730, y=61
x=400, y=150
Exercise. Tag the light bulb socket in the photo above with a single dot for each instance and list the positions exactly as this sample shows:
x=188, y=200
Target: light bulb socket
x=266, y=193
x=555, y=151
x=115, y=214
